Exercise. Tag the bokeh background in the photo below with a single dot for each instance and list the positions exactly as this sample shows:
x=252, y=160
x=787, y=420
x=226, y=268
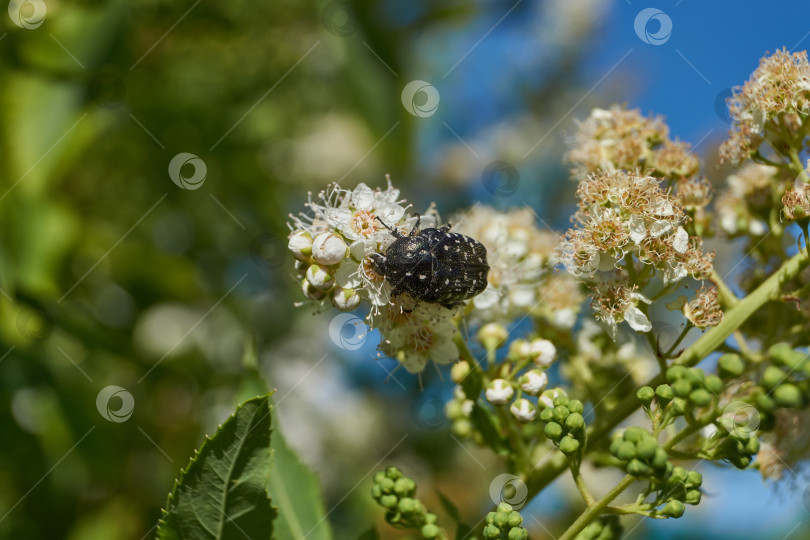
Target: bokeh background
x=112, y=274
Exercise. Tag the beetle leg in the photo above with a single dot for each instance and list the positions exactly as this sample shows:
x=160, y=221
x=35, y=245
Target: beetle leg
x=415, y=229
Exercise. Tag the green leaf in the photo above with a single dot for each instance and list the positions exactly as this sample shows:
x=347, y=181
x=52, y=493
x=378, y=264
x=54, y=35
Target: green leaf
x=296, y=495
x=462, y=530
x=484, y=422
x=222, y=494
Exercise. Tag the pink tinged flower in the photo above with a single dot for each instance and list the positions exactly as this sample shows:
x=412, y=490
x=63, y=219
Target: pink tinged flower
x=499, y=392
x=328, y=248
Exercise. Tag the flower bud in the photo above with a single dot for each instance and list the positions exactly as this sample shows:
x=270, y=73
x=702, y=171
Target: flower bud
x=645, y=450
x=404, y=487
x=681, y=388
x=459, y=371
x=547, y=398
x=576, y=406
x=637, y=468
x=714, y=384
x=523, y=410
x=693, y=496
x=665, y=394
x=492, y=335
x=499, y=392
x=673, y=509
x=553, y=431
x=645, y=395
x=393, y=473
x=788, y=395
x=345, y=299
x=518, y=533
x=491, y=532
x=574, y=422
x=625, y=451
x=771, y=377
x=501, y=519
x=300, y=243
x=700, y=397
x=388, y=501
x=515, y=519
x=311, y=292
x=328, y=248
x=430, y=530
x=319, y=277
x=533, y=382
x=569, y=445
x=461, y=427
x=694, y=479
x=730, y=365
x=519, y=349
x=406, y=505
x=543, y=352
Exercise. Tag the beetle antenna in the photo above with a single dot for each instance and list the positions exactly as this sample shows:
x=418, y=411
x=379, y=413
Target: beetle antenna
x=393, y=231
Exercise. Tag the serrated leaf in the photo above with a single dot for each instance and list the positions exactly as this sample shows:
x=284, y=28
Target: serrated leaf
x=222, y=494
x=296, y=495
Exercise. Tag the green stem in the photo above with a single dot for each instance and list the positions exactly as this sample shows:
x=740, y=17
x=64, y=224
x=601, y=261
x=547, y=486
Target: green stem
x=580, y=482
x=727, y=298
x=596, y=509
x=552, y=467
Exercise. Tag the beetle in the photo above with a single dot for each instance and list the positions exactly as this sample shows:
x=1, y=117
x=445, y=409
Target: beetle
x=433, y=265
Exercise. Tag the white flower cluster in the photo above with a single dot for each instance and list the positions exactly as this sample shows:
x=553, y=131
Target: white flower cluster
x=520, y=256
x=332, y=243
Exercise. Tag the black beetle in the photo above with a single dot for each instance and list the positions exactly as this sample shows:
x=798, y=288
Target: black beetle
x=433, y=265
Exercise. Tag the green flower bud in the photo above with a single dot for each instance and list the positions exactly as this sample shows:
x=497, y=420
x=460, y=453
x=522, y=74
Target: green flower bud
x=700, y=397
x=660, y=460
x=518, y=533
x=676, y=372
x=406, y=505
x=682, y=388
x=492, y=532
x=574, y=422
x=376, y=492
x=560, y=413
x=714, y=384
x=490, y=517
x=635, y=434
x=431, y=518
x=430, y=531
x=560, y=400
x=679, y=406
x=387, y=485
x=784, y=355
x=393, y=517
x=504, y=508
x=492, y=335
x=575, y=406
x=501, y=519
x=378, y=476
x=393, y=473
x=788, y=395
x=637, y=468
x=694, y=479
x=771, y=377
x=553, y=431
x=515, y=519
x=645, y=450
x=730, y=366
x=404, y=487
x=546, y=414
x=673, y=509
x=388, y=501
x=569, y=445
x=665, y=394
x=766, y=403
x=645, y=395
x=678, y=476
x=751, y=445
x=693, y=496
x=625, y=451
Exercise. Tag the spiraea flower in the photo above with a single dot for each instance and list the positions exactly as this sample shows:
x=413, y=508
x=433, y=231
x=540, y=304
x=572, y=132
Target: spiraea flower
x=417, y=336
x=778, y=91
x=332, y=243
x=519, y=254
x=743, y=206
x=621, y=139
x=796, y=203
x=627, y=224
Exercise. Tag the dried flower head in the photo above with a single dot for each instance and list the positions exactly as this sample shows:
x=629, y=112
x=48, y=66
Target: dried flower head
x=704, y=309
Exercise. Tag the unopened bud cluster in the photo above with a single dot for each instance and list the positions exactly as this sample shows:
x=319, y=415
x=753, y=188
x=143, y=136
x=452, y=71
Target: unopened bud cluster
x=564, y=423
x=640, y=454
x=504, y=524
x=396, y=493
x=604, y=528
